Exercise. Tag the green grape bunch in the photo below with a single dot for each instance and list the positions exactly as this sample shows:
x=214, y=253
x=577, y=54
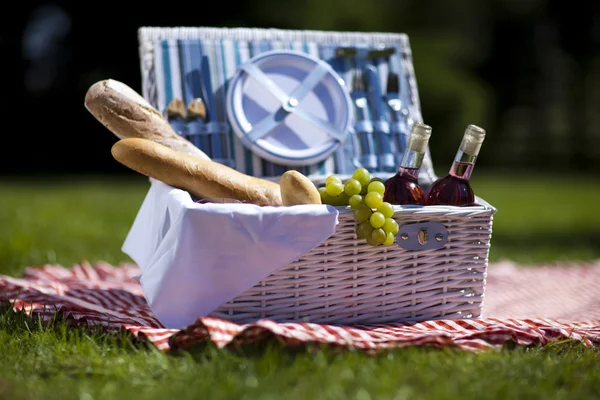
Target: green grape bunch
x=364, y=194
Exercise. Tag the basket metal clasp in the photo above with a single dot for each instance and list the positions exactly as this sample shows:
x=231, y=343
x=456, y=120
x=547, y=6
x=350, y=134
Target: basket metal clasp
x=422, y=236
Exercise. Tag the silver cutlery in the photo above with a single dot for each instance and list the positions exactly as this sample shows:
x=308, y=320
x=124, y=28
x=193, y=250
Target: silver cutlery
x=381, y=128
x=349, y=160
x=218, y=140
x=364, y=125
x=400, y=114
x=196, y=109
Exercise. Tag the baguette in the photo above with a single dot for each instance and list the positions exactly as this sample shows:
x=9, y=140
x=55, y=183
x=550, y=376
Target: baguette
x=128, y=115
x=203, y=179
x=297, y=189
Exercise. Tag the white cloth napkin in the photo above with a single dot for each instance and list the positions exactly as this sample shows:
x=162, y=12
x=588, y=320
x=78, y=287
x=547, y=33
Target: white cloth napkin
x=195, y=257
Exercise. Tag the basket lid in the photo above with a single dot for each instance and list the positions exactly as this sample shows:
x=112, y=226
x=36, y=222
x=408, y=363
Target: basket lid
x=289, y=108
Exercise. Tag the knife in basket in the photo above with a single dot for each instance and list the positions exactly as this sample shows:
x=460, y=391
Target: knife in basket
x=363, y=125
x=196, y=110
x=398, y=112
x=212, y=125
x=341, y=61
x=409, y=90
x=363, y=146
x=386, y=160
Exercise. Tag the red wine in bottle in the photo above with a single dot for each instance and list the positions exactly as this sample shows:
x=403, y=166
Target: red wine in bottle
x=403, y=188
x=454, y=189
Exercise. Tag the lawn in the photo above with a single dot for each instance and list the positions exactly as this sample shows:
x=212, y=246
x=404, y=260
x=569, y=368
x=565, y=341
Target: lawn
x=540, y=219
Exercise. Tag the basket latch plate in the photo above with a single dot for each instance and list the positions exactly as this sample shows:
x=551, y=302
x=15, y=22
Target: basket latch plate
x=422, y=236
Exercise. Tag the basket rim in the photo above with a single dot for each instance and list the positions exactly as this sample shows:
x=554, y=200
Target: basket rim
x=483, y=207
x=152, y=33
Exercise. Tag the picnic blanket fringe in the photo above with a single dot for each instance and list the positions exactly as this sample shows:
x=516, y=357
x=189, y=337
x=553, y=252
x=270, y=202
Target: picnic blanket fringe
x=109, y=297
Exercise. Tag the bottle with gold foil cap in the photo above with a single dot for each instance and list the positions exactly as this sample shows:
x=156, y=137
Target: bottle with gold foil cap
x=403, y=187
x=454, y=189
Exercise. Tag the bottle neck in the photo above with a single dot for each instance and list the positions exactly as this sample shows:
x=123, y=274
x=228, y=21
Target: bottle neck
x=463, y=165
x=411, y=163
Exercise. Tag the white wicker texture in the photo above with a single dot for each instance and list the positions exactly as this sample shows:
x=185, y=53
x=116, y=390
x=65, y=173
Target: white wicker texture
x=346, y=281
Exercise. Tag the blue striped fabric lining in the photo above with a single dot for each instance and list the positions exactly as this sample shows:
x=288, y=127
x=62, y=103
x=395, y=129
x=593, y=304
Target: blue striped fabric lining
x=189, y=69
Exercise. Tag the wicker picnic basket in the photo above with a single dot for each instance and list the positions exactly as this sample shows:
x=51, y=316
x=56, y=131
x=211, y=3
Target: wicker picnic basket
x=436, y=270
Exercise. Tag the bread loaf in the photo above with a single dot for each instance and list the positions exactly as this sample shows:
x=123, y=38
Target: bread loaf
x=204, y=179
x=297, y=189
x=128, y=115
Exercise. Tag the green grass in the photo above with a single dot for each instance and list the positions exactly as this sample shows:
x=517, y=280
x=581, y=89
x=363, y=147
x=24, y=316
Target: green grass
x=540, y=219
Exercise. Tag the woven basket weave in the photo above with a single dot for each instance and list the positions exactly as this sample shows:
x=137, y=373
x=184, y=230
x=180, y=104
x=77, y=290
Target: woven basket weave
x=344, y=280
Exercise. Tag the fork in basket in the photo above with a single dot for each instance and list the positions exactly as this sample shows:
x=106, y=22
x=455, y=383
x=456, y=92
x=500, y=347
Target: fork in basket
x=401, y=121
x=367, y=156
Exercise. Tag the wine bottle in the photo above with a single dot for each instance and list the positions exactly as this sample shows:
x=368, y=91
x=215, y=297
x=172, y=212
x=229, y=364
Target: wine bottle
x=403, y=187
x=454, y=189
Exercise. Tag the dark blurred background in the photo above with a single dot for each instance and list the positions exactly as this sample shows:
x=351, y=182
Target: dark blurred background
x=528, y=71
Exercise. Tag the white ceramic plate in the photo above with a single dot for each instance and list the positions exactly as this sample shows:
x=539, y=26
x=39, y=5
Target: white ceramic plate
x=289, y=108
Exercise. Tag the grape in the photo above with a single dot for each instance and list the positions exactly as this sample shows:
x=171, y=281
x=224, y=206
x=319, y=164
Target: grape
x=338, y=201
x=362, y=213
x=378, y=236
x=334, y=188
x=389, y=240
x=355, y=201
x=373, y=216
x=342, y=199
x=373, y=199
x=386, y=209
x=371, y=241
x=352, y=187
x=376, y=186
x=325, y=198
x=332, y=179
x=364, y=230
x=391, y=226
x=377, y=220
x=362, y=175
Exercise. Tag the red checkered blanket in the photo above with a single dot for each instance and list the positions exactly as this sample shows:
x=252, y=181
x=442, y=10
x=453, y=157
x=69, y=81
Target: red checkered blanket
x=528, y=306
